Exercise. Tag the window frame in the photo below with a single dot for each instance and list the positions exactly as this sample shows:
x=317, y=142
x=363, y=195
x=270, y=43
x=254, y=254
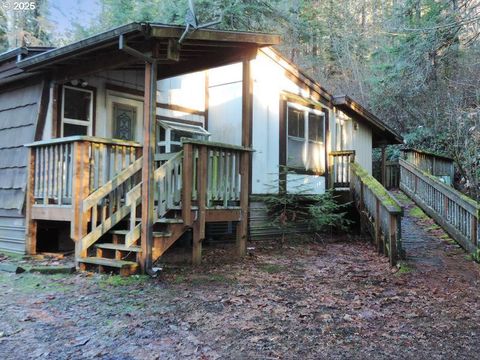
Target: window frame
x=88, y=124
x=306, y=140
x=172, y=126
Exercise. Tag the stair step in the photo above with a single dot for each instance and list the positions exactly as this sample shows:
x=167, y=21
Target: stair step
x=108, y=262
x=161, y=234
x=120, y=247
x=119, y=232
x=170, y=221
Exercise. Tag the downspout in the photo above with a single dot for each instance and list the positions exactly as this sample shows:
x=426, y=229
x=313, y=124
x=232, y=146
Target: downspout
x=148, y=154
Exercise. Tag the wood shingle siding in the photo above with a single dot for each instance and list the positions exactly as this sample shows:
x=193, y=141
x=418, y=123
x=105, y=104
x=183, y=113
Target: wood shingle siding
x=19, y=109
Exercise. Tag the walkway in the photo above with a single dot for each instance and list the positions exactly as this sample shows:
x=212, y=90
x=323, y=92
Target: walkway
x=429, y=248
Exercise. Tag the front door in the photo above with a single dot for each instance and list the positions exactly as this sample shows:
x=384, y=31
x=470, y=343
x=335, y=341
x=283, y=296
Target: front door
x=125, y=116
x=124, y=121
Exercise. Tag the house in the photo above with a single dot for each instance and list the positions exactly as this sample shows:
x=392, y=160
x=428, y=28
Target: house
x=125, y=141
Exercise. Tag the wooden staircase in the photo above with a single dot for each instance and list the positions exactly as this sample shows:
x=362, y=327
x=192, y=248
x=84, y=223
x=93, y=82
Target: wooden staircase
x=112, y=243
x=113, y=255
x=200, y=184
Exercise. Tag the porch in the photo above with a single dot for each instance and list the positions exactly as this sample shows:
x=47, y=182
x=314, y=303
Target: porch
x=127, y=202
x=95, y=185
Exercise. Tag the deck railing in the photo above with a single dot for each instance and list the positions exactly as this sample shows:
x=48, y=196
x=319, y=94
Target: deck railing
x=54, y=165
x=433, y=164
x=212, y=177
x=379, y=211
x=391, y=178
x=168, y=185
x=106, y=207
x=340, y=173
x=456, y=213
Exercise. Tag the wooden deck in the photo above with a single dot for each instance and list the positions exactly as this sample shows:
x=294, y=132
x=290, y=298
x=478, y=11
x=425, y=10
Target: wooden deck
x=96, y=185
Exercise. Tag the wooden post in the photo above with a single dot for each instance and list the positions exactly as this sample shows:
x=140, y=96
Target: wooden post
x=187, y=175
x=474, y=230
x=378, y=231
x=197, y=244
x=246, y=161
x=80, y=190
x=30, y=224
x=361, y=206
x=392, y=254
x=384, y=165
x=149, y=128
x=199, y=226
x=478, y=228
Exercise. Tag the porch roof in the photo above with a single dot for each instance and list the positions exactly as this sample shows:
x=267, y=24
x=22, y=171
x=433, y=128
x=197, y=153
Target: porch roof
x=201, y=49
x=382, y=133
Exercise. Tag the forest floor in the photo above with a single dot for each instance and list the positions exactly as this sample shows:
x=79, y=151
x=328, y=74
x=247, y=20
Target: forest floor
x=338, y=300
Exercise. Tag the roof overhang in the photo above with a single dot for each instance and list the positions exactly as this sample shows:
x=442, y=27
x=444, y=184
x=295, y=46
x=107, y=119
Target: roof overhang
x=382, y=133
x=292, y=70
x=200, y=50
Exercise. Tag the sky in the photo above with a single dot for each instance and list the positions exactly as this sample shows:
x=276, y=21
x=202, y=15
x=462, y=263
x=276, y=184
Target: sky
x=63, y=11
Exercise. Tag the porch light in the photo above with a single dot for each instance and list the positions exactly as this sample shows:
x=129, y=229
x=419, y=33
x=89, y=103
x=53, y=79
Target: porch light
x=81, y=82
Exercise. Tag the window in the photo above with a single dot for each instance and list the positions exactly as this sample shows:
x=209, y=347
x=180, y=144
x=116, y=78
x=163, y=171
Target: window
x=305, y=138
x=77, y=111
x=171, y=134
x=125, y=118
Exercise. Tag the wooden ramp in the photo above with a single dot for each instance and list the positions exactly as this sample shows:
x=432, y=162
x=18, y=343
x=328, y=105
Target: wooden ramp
x=457, y=214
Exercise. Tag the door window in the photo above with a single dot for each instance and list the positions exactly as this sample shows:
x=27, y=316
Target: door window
x=124, y=119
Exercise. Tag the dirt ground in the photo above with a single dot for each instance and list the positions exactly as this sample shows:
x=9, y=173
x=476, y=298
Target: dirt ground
x=338, y=300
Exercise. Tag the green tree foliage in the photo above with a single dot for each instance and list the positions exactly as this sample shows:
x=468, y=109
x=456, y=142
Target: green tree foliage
x=297, y=212
x=25, y=27
x=236, y=14
x=414, y=63
x=3, y=32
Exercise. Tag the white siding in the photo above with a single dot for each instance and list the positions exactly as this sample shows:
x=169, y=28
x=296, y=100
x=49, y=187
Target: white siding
x=225, y=104
x=270, y=81
x=356, y=136
x=186, y=90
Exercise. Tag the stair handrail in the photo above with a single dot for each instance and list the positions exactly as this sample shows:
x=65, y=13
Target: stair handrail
x=134, y=195
x=110, y=198
x=121, y=177
x=380, y=209
x=456, y=213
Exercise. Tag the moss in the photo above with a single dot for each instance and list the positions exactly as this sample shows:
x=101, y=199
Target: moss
x=403, y=268
x=476, y=255
x=376, y=187
x=117, y=280
x=213, y=278
x=470, y=257
x=416, y=212
x=28, y=283
x=433, y=227
x=272, y=268
x=179, y=279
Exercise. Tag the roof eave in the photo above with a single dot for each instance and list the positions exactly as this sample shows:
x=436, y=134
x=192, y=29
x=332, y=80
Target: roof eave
x=12, y=54
x=157, y=30
x=106, y=37
x=345, y=102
